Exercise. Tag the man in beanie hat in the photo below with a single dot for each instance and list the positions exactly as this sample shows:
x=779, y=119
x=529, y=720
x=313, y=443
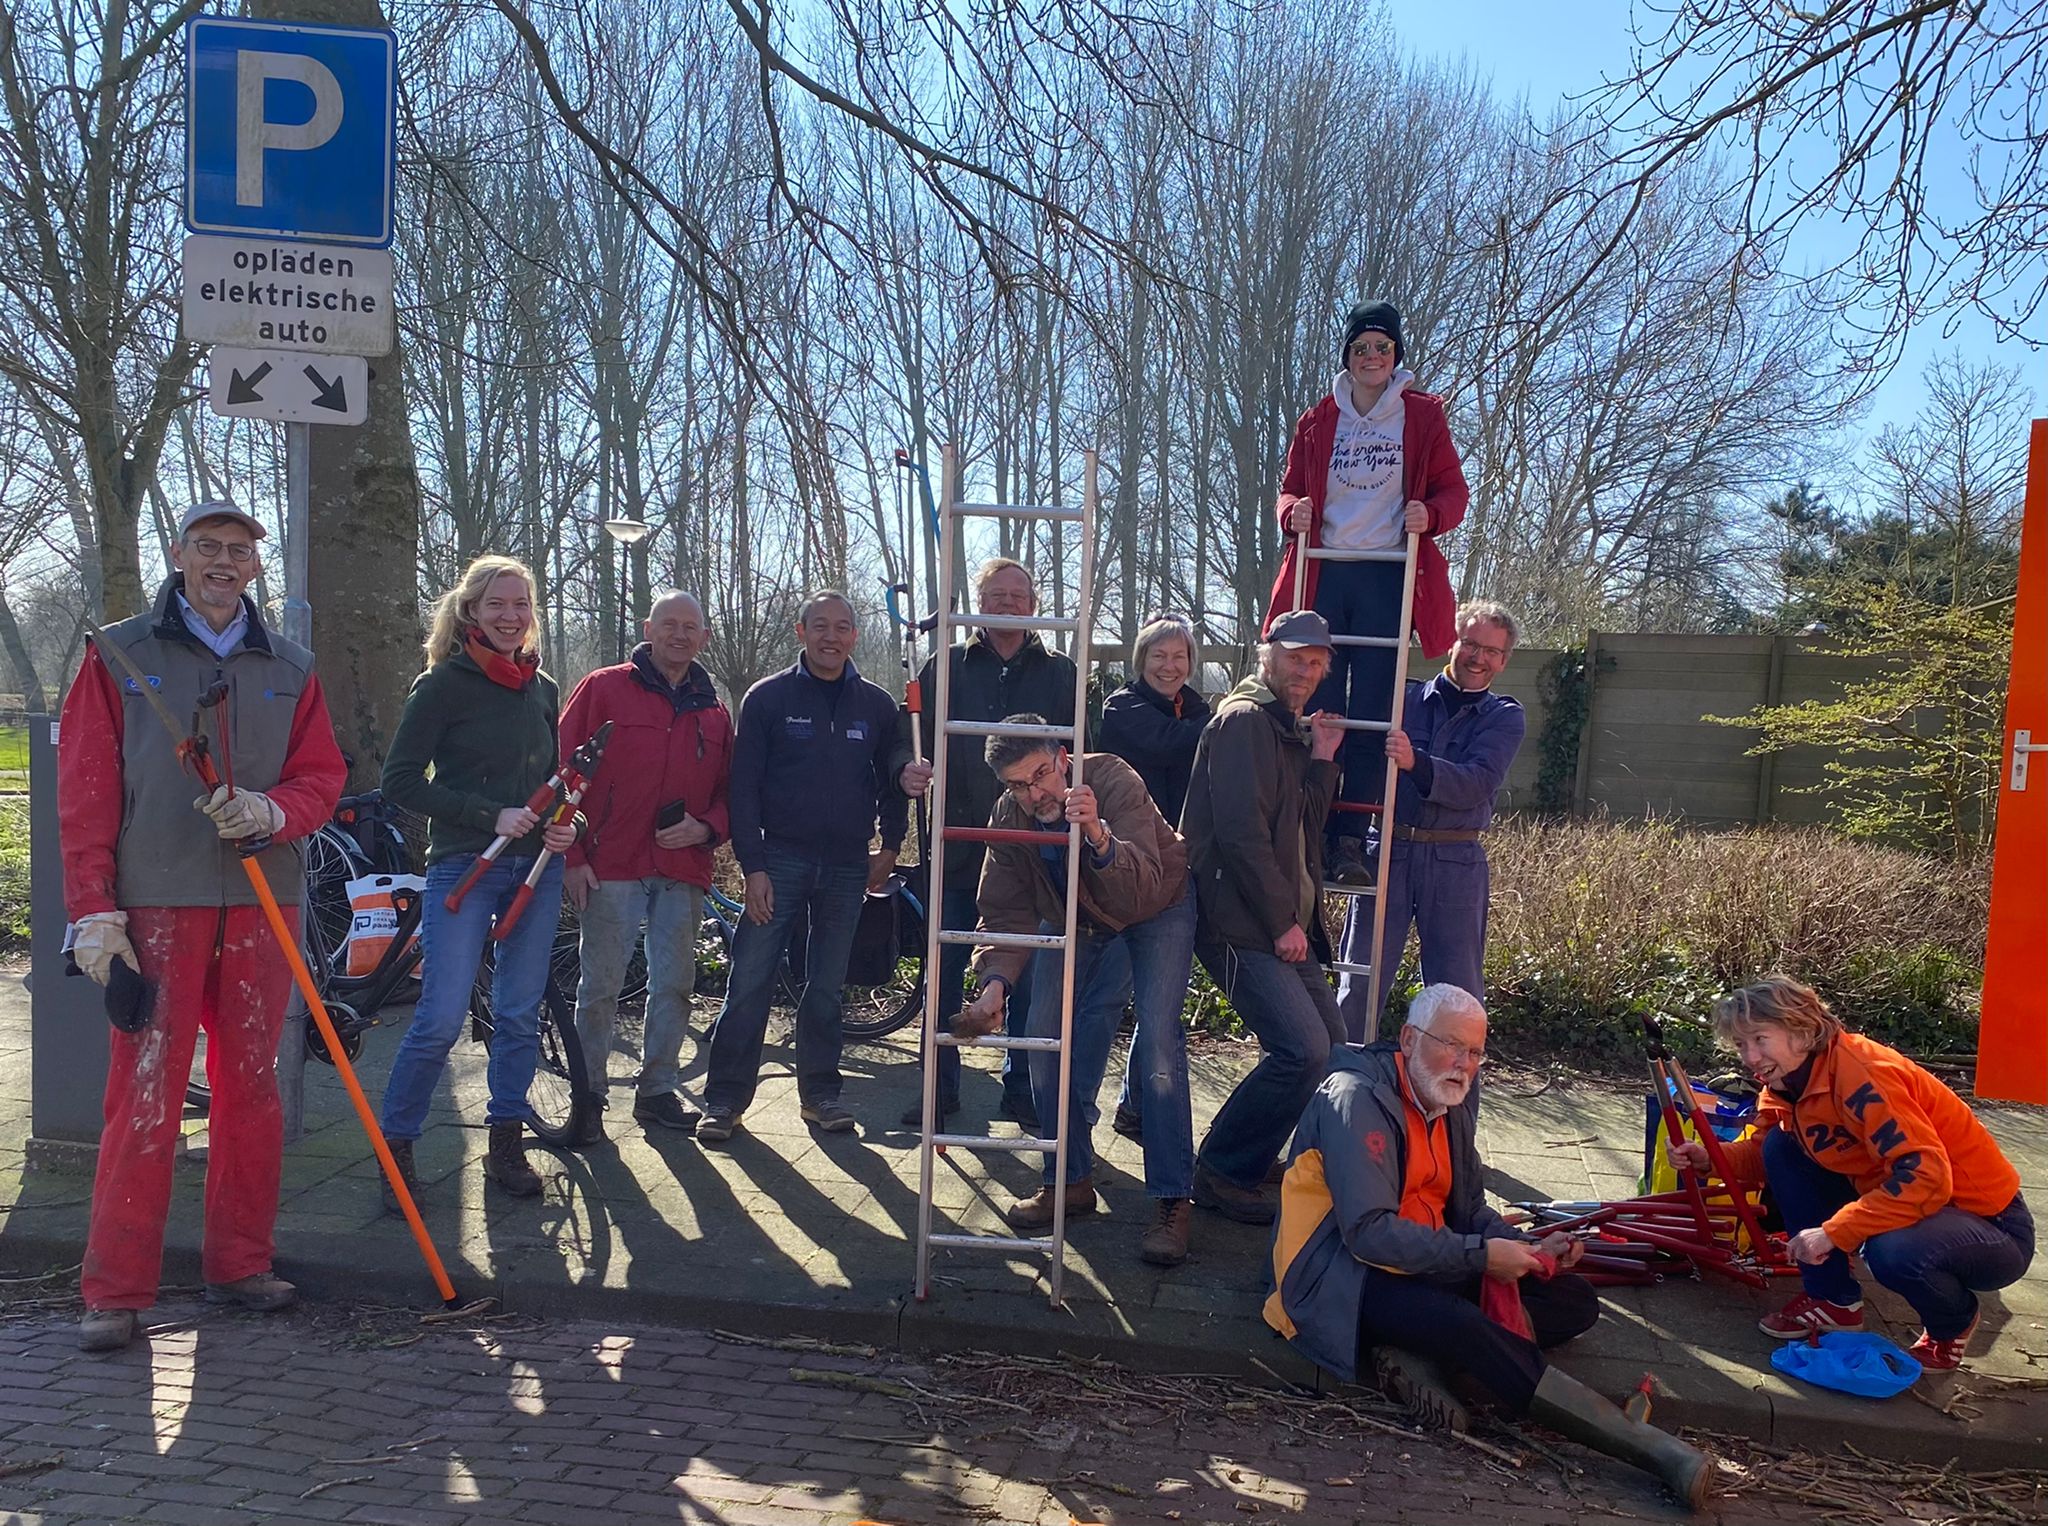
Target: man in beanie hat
x=1370, y=464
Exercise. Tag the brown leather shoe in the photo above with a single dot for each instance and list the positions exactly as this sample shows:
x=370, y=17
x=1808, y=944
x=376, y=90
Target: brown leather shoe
x=1247, y=1205
x=1166, y=1242
x=401, y=1155
x=106, y=1329
x=1035, y=1212
x=265, y=1292
x=506, y=1164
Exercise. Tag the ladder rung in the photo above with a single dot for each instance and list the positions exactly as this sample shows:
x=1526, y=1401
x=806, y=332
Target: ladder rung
x=992, y=1242
x=988, y=939
x=1394, y=641
x=1367, y=725
x=1337, y=554
x=1029, y=839
x=1331, y=887
x=1348, y=969
x=998, y=1041
x=985, y=1142
x=1012, y=622
x=1015, y=511
x=1011, y=729
x=1358, y=807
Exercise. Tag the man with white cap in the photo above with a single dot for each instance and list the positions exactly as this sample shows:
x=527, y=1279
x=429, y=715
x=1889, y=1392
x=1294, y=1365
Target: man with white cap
x=1261, y=788
x=154, y=890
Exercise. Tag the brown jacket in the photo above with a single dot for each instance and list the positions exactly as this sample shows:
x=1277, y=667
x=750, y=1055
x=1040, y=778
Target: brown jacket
x=1147, y=870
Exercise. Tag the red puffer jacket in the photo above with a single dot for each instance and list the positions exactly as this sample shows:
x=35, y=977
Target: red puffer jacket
x=666, y=746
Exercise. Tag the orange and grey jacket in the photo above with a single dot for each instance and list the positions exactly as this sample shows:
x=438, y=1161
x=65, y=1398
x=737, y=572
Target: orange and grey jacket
x=1340, y=1208
x=1909, y=1144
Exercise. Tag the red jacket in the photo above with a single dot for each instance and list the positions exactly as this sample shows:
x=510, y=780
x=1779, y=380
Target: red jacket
x=664, y=748
x=1430, y=472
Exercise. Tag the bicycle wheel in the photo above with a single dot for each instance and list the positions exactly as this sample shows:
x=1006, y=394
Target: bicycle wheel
x=560, y=1086
x=873, y=1012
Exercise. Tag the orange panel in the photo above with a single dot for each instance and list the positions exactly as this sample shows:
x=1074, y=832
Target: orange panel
x=2012, y=1045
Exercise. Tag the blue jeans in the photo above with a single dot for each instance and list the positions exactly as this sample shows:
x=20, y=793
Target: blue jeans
x=1152, y=959
x=452, y=948
x=1359, y=599
x=1441, y=889
x=1938, y=1265
x=612, y=917
x=959, y=913
x=1294, y=1013
x=832, y=894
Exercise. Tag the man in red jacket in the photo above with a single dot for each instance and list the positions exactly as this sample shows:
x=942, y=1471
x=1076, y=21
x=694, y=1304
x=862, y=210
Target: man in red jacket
x=656, y=808
x=152, y=882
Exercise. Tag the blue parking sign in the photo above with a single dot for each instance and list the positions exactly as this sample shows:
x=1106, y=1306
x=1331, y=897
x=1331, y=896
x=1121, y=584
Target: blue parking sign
x=289, y=130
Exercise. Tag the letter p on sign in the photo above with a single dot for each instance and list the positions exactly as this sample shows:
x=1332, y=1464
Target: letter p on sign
x=290, y=130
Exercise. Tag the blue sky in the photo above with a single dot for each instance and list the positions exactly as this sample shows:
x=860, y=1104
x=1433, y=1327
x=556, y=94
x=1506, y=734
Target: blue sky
x=1562, y=48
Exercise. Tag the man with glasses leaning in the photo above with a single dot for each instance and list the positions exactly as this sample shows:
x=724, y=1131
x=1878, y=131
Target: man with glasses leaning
x=1455, y=744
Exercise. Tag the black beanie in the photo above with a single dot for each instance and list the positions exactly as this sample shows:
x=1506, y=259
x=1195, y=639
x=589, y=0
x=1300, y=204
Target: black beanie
x=1381, y=317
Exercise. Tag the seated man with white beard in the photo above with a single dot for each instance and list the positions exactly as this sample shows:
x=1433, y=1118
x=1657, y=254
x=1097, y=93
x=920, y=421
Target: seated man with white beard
x=1385, y=1241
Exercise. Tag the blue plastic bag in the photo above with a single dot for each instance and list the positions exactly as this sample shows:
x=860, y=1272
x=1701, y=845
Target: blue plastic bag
x=1851, y=1361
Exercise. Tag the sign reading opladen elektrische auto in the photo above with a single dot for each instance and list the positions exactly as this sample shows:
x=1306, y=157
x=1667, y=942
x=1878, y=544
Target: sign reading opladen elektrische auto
x=264, y=295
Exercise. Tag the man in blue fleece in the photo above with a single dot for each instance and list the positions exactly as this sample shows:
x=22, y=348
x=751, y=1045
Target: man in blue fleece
x=810, y=783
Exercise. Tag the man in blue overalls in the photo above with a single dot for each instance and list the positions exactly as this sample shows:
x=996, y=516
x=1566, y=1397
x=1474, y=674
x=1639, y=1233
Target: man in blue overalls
x=1454, y=748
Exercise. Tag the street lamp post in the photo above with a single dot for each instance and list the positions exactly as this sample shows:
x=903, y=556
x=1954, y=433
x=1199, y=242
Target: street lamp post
x=628, y=533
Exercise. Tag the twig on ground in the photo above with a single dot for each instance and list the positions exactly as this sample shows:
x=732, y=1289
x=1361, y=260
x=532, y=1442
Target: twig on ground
x=31, y=1465
x=336, y=1483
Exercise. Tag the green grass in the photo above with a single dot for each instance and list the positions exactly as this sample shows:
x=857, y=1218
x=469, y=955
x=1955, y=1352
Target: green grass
x=13, y=875
x=13, y=759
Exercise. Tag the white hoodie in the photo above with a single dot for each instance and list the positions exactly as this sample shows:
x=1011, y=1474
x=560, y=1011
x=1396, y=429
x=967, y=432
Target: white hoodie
x=1362, y=503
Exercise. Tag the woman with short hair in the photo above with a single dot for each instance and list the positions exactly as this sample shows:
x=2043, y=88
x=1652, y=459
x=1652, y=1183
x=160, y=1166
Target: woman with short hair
x=1154, y=721
x=1864, y=1151
x=478, y=737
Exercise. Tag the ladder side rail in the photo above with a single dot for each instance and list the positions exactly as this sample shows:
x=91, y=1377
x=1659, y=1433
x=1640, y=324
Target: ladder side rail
x=1376, y=982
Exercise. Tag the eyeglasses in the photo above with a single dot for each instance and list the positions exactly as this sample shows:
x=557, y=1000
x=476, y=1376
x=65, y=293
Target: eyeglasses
x=239, y=552
x=1458, y=1051
x=1373, y=347
x=1024, y=788
x=1497, y=653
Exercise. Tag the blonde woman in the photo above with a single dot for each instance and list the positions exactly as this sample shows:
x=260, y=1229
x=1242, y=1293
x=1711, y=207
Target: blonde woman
x=483, y=718
x=1154, y=721
x=1866, y=1153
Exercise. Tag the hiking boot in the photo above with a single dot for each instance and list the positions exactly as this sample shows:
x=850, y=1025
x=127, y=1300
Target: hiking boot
x=401, y=1155
x=1345, y=863
x=976, y=1025
x=1166, y=1242
x=913, y=1115
x=590, y=1132
x=665, y=1110
x=834, y=1117
x=506, y=1164
x=719, y=1125
x=1129, y=1124
x=1571, y=1409
x=107, y=1329
x=1806, y=1315
x=1020, y=1111
x=264, y=1292
x=1244, y=1204
x=1939, y=1355
x=1035, y=1212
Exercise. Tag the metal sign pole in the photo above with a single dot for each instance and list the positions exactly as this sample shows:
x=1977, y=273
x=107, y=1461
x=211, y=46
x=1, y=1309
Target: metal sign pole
x=298, y=491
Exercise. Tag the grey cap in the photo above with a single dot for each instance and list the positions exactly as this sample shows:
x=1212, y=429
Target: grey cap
x=1302, y=627
x=218, y=508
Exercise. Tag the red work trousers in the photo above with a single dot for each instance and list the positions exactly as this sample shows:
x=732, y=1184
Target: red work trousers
x=217, y=968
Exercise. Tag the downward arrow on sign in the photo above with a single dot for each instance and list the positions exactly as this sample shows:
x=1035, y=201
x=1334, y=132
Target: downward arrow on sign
x=242, y=389
x=332, y=394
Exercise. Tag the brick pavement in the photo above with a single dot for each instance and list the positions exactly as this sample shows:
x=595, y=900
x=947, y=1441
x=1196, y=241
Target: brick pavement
x=361, y=1415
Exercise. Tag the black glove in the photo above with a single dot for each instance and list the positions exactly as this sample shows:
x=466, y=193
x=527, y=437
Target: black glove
x=129, y=998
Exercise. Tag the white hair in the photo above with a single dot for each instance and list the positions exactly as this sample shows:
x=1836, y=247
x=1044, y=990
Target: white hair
x=1442, y=1000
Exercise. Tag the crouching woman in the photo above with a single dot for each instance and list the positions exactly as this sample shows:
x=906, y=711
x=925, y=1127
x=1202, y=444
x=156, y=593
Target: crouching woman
x=1866, y=1152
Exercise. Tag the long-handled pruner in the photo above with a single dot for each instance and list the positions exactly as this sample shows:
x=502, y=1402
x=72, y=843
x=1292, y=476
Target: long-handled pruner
x=575, y=776
x=195, y=755
x=543, y=802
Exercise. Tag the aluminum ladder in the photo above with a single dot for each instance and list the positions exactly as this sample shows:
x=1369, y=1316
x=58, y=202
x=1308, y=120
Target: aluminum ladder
x=932, y=1143
x=1375, y=989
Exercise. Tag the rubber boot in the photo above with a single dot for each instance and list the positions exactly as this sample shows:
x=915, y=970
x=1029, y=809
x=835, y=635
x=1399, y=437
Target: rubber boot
x=1420, y=1386
x=1567, y=1406
x=401, y=1154
x=506, y=1164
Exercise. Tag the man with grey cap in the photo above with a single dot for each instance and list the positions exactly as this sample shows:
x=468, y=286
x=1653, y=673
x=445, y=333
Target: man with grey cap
x=152, y=884
x=1261, y=788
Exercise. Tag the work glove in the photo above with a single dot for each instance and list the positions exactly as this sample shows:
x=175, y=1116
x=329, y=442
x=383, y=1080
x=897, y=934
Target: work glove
x=98, y=940
x=247, y=814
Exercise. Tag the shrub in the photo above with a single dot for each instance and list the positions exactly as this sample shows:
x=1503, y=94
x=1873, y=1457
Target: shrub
x=13, y=875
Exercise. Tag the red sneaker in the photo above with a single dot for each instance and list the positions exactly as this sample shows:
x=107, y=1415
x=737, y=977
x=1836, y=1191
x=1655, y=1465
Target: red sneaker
x=1806, y=1315
x=1942, y=1356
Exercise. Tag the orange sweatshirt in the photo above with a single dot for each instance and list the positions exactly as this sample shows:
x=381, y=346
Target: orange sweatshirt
x=1909, y=1144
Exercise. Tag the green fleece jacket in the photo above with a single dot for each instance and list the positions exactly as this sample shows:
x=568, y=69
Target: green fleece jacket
x=468, y=747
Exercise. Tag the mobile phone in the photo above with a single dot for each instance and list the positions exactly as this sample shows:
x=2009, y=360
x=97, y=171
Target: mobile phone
x=670, y=815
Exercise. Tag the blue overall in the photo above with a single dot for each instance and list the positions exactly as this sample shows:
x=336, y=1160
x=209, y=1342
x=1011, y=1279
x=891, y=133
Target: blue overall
x=1462, y=755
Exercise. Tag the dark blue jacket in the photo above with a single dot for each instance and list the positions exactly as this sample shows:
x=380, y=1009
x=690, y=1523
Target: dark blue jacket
x=1139, y=726
x=810, y=769
x=1462, y=756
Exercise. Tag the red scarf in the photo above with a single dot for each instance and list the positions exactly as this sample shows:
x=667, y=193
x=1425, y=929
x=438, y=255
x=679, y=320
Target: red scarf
x=512, y=672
